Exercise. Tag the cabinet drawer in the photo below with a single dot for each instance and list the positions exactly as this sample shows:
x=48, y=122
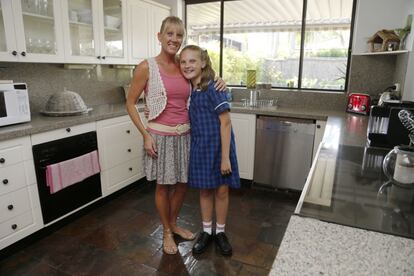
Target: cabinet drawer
x=61, y=133
x=16, y=224
x=17, y=176
x=125, y=131
x=15, y=151
x=132, y=170
x=115, y=154
x=14, y=204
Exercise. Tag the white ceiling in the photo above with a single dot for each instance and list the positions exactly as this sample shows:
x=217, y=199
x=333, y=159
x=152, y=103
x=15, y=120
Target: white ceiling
x=269, y=14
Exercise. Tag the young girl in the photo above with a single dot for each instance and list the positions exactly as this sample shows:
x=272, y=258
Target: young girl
x=213, y=164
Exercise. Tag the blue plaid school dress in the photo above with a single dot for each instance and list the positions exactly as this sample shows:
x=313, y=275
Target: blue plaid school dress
x=205, y=149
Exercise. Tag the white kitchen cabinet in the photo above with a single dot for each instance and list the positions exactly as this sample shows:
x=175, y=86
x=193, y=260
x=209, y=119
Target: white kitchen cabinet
x=319, y=131
x=121, y=153
x=144, y=19
x=95, y=31
x=244, y=128
x=20, y=213
x=30, y=31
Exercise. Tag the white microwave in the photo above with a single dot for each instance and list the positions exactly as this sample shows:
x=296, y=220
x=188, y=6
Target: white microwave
x=14, y=104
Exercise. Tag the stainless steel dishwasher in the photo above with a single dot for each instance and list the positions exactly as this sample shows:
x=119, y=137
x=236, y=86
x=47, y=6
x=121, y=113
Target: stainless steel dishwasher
x=283, y=152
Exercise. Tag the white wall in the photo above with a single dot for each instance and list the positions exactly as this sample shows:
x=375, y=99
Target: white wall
x=408, y=93
x=374, y=15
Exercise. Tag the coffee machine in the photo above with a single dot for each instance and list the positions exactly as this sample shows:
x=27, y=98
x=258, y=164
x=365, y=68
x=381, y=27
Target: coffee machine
x=385, y=128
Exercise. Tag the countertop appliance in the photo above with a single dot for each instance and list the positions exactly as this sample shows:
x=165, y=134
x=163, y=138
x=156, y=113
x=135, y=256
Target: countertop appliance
x=72, y=197
x=385, y=128
x=14, y=104
x=283, y=152
x=358, y=103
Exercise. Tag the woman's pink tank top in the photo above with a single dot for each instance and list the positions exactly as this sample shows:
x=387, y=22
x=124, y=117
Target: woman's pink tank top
x=178, y=92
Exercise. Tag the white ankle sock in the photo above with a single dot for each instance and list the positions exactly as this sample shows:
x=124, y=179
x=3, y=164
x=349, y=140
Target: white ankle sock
x=220, y=228
x=207, y=226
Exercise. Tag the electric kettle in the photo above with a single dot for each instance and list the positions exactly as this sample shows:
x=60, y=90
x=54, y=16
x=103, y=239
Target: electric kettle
x=402, y=159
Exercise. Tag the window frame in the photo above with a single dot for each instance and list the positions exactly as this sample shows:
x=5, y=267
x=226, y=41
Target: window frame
x=302, y=44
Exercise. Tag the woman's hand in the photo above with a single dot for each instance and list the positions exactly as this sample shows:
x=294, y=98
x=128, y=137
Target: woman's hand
x=149, y=146
x=220, y=84
x=146, y=111
x=225, y=166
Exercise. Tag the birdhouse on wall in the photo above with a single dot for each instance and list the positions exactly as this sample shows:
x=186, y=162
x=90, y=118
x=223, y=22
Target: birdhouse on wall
x=384, y=40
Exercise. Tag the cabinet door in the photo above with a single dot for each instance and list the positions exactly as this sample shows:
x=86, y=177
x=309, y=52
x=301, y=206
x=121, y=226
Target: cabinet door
x=244, y=128
x=81, y=32
x=30, y=31
x=8, y=47
x=138, y=20
x=113, y=34
x=38, y=25
x=144, y=19
x=158, y=15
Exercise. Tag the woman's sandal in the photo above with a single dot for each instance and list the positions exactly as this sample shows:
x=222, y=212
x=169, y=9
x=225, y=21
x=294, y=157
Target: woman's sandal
x=169, y=247
x=185, y=234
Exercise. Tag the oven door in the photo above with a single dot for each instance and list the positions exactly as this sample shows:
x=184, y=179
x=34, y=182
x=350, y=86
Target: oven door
x=72, y=197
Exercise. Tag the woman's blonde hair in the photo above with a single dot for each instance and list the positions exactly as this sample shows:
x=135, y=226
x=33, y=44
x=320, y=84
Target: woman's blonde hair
x=207, y=73
x=172, y=20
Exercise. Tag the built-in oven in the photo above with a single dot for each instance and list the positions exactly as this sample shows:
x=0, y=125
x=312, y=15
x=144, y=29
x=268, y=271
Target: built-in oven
x=56, y=204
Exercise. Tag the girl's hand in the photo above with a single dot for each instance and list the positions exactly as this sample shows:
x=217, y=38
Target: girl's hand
x=225, y=166
x=149, y=146
x=220, y=85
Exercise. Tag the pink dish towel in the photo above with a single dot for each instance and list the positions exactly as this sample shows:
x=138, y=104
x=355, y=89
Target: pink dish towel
x=69, y=172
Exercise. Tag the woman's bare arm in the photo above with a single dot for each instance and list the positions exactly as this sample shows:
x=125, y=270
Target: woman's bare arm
x=139, y=80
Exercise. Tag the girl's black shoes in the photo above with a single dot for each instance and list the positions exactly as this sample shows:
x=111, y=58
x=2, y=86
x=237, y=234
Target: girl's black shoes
x=223, y=244
x=202, y=243
x=221, y=240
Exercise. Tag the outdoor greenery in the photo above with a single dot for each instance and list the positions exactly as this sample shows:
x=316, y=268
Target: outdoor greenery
x=236, y=64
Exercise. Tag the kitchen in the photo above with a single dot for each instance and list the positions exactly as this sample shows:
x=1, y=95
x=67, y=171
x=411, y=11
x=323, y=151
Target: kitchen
x=98, y=78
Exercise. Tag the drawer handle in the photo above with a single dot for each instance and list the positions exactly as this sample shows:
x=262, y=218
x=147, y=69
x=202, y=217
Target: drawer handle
x=10, y=207
x=68, y=129
x=5, y=181
x=14, y=226
x=2, y=160
x=130, y=169
x=128, y=131
x=129, y=150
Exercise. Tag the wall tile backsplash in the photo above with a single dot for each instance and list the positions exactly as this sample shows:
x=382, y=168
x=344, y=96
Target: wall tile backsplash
x=100, y=85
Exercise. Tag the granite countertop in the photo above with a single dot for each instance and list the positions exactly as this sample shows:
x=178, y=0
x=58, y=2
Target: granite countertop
x=40, y=123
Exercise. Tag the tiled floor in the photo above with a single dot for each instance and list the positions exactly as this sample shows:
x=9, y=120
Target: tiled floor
x=123, y=237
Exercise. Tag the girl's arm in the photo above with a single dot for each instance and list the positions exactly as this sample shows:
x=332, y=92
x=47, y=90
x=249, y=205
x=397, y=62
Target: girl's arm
x=225, y=133
x=141, y=75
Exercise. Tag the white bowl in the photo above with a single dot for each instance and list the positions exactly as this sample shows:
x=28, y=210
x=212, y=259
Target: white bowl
x=112, y=21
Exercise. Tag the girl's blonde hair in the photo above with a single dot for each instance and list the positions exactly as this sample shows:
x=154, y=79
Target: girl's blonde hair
x=207, y=73
x=172, y=20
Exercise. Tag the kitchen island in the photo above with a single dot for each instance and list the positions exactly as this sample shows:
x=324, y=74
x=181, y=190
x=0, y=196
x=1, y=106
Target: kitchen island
x=349, y=220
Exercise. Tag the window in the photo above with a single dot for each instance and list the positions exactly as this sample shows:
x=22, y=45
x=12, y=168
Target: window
x=301, y=44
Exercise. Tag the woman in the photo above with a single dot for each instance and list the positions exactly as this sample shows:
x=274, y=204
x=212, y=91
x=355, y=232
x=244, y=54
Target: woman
x=167, y=136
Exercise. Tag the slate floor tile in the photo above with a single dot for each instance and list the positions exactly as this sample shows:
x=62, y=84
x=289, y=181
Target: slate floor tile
x=123, y=236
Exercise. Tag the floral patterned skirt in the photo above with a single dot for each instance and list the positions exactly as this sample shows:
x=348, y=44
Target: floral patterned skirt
x=171, y=165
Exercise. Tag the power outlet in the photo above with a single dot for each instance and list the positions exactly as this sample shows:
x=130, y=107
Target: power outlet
x=397, y=87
